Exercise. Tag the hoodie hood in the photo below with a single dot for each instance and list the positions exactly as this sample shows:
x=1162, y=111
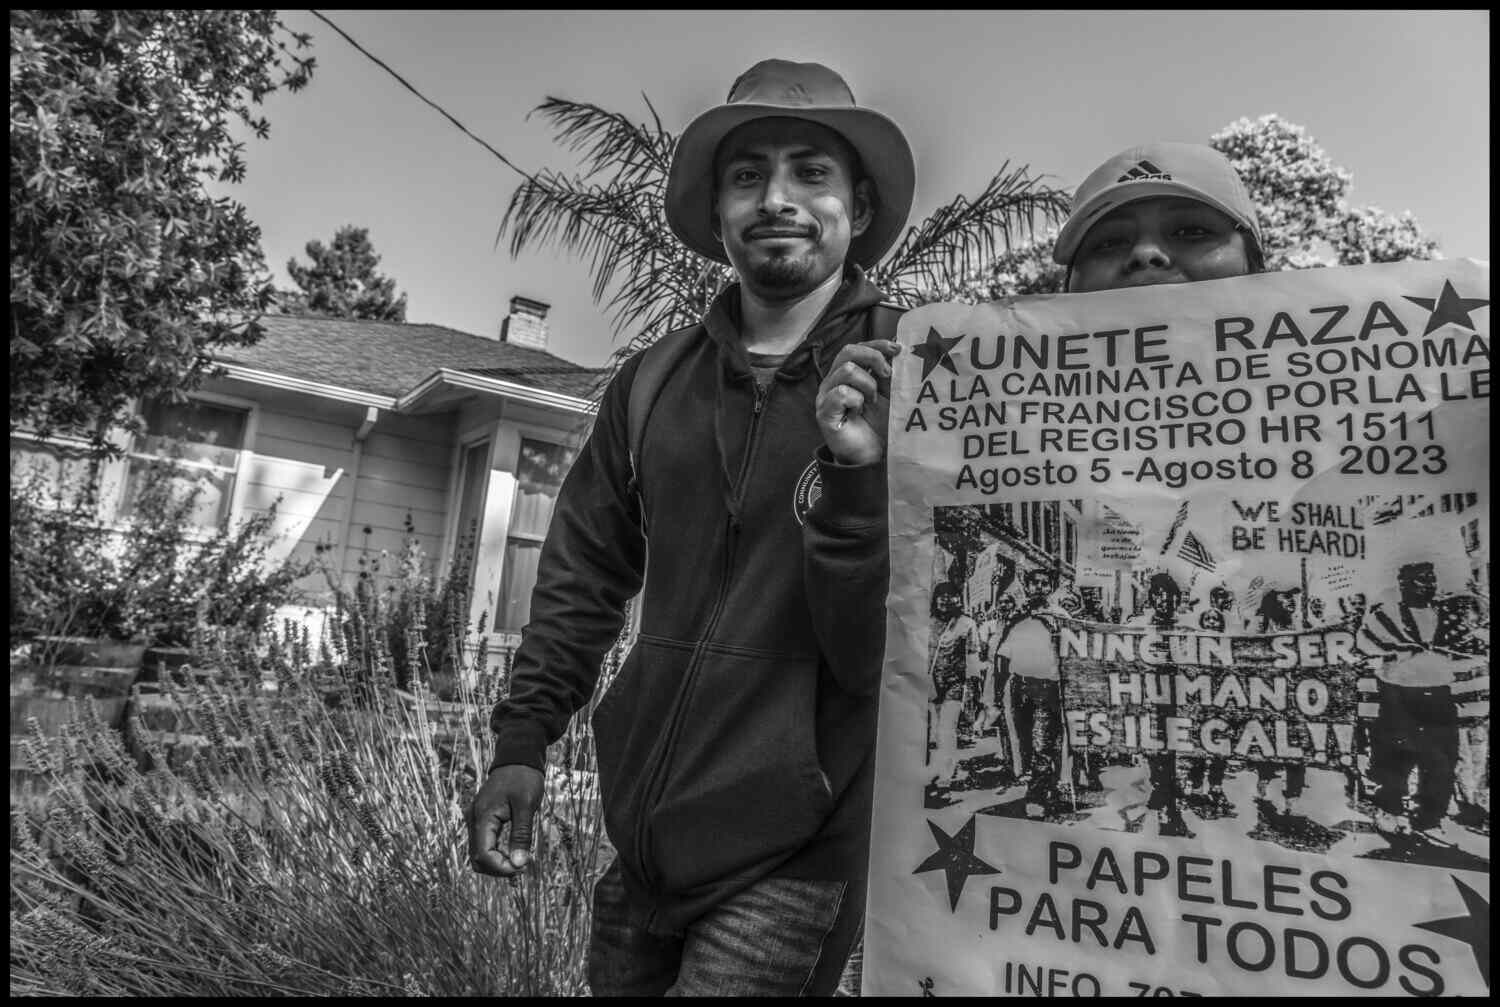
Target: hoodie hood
x=856, y=294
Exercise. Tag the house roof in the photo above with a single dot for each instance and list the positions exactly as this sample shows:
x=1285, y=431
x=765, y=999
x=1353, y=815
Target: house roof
x=391, y=358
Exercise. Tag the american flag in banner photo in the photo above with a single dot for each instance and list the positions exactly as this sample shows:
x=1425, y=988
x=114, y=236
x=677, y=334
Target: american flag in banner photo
x=1193, y=551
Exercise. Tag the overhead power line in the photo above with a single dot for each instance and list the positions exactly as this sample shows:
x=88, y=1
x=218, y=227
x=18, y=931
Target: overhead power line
x=404, y=83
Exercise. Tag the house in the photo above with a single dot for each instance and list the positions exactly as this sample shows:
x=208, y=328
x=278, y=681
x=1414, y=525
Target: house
x=364, y=429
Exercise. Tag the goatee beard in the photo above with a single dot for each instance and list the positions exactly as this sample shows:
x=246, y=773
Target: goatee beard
x=780, y=273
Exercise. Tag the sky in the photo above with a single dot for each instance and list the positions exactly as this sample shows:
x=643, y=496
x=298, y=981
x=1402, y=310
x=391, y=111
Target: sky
x=1399, y=99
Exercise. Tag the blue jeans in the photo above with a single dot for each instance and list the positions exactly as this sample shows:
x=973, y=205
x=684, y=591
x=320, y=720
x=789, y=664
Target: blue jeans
x=779, y=937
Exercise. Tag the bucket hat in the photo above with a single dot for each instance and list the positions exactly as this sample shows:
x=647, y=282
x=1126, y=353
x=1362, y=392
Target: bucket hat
x=1191, y=170
x=810, y=91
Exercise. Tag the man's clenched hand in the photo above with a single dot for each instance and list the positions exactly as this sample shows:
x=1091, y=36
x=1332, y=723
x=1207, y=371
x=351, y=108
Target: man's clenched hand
x=854, y=401
x=510, y=794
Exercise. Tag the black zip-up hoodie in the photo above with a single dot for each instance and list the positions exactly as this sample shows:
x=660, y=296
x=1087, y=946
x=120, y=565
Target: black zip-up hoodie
x=737, y=740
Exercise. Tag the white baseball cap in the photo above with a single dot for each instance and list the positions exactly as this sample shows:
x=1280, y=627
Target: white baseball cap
x=1192, y=170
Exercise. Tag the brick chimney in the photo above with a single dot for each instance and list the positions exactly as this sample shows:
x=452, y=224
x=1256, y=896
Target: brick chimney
x=526, y=325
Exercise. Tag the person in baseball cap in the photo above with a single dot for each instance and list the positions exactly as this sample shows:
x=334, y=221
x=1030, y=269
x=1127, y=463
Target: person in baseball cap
x=1159, y=213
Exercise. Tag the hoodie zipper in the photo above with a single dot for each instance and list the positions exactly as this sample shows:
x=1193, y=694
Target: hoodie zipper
x=684, y=693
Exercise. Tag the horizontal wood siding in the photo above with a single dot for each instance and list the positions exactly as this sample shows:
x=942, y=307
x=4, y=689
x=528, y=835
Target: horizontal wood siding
x=306, y=490
x=330, y=456
x=395, y=474
x=306, y=459
x=307, y=428
x=393, y=518
x=401, y=495
x=405, y=469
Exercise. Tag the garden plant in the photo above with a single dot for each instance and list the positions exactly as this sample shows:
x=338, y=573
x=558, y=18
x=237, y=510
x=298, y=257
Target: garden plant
x=278, y=815
x=313, y=843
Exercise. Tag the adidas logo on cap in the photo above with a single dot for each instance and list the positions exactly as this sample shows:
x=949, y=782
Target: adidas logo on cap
x=1144, y=171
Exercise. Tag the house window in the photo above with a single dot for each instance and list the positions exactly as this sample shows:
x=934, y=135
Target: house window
x=62, y=467
x=472, y=489
x=201, y=443
x=539, y=477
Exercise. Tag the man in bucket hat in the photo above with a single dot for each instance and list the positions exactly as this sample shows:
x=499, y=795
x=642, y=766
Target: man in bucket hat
x=735, y=748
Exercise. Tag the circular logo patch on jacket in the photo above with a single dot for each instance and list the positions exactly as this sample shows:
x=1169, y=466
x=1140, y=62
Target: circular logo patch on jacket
x=809, y=488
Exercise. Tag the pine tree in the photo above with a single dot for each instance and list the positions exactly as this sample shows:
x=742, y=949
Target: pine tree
x=341, y=281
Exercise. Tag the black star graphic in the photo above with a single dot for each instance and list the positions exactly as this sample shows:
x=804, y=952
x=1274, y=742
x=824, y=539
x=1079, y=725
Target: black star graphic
x=1473, y=929
x=955, y=856
x=935, y=352
x=1448, y=307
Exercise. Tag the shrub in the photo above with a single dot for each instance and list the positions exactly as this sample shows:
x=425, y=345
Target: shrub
x=300, y=828
x=302, y=849
x=153, y=577
x=412, y=623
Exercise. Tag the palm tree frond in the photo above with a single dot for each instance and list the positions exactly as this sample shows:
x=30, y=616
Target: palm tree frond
x=610, y=215
x=619, y=230
x=657, y=129
x=608, y=141
x=962, y=236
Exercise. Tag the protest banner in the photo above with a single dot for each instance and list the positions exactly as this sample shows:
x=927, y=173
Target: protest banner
x=1231, y=733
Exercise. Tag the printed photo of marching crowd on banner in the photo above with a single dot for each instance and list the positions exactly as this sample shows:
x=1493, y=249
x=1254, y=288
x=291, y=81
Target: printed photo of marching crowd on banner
x=1187, y=673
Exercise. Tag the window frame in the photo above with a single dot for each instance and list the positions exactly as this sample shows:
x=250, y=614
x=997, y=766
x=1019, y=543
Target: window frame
x=237, y=490
x=466, y=438
x=552, y=438
x=111, y=508
x=510, y=532
x=64, y=447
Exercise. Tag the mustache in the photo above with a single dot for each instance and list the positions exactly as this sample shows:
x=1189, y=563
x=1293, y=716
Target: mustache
x=779, y=230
